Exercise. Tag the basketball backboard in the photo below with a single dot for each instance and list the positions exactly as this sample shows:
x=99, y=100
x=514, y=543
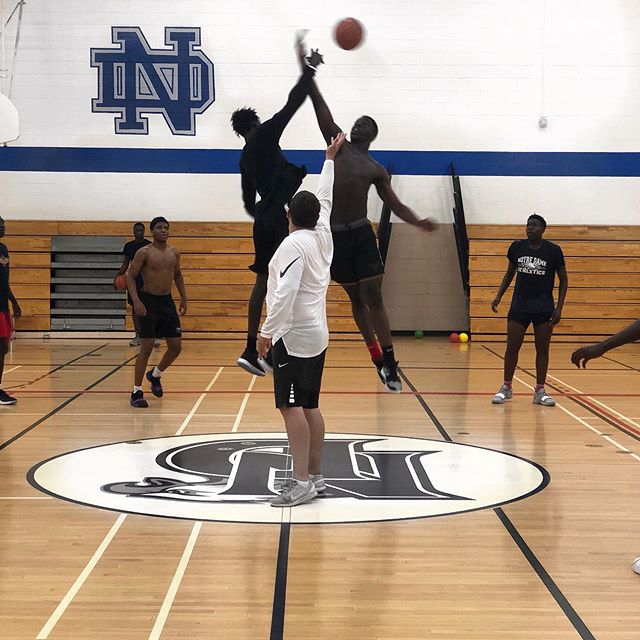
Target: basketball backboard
x=9, y=129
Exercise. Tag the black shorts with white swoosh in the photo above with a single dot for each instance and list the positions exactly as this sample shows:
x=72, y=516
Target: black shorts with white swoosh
x=296, y=381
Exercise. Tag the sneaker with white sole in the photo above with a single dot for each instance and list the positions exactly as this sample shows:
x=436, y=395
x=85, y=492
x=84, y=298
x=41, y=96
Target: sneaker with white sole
x=636, y=565
x=540, y=397
x=380, y=371
x=504, y=393
x=135, y=342
x=318, y=482
x=157, y=343
x=391, y=378
x=249, y=362
x=294, y=493
x=6, y=399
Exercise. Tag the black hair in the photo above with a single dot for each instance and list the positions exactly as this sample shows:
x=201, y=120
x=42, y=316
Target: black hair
x=243, y=120
x=304, y=210
x=536, y=216
x=375, y=125
x=155, y=221
x=139, y=224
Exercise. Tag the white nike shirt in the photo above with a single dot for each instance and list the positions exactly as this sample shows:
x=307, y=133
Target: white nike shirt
x=298, y=280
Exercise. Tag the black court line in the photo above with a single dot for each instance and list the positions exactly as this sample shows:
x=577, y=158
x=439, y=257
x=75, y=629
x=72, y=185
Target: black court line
x=280, y=588
x=61, y=406
x=57, y=367
x=578, y=401
x=626, y=366
x=536, y=565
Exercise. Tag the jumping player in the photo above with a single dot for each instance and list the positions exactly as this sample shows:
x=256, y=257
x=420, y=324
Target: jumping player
x=265, y=170
x=296, y=324
x=159, y=264
x=6, y=325
x=129, y=251
x=536, y=262
x=357, y=264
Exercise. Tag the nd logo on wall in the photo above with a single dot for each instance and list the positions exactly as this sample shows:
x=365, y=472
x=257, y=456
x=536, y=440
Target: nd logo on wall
x=231, y=477
x=134, y=79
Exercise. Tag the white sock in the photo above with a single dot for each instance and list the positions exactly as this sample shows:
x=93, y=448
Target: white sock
x=136, y=389
x=156, y=373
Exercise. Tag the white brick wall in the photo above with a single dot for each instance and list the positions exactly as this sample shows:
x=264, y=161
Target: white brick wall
x=463, y=75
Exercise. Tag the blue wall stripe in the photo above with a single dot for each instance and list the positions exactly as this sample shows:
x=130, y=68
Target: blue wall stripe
x=413, y=163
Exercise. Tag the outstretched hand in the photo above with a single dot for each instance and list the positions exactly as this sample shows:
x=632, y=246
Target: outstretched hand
x=336, y=143
x=301, y=47
x=581, y=356
x=315, y=58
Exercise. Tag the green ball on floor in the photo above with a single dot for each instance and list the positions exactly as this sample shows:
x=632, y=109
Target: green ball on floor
x=418, y=333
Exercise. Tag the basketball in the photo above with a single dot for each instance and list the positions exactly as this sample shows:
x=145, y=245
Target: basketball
x=121, y=282
x=349, y=33
x=454, y=337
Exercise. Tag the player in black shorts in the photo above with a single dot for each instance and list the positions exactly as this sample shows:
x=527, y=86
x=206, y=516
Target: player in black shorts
x=129, y=251
x=357, y=264
x=536, y=262
x=265, y=170
x=159, y=264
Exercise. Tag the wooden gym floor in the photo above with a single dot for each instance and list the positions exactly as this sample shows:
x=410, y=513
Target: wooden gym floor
x=553, y=565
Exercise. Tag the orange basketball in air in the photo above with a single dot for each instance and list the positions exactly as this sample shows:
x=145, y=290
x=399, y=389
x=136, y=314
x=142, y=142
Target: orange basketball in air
x=349, y=33
x=121, y=282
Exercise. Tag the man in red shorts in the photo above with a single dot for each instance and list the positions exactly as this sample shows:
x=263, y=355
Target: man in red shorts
x=6, y=325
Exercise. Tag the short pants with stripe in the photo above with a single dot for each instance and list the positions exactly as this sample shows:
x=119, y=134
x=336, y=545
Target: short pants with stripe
x=296, y=381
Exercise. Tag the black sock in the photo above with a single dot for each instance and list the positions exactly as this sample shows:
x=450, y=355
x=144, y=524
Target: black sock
x=252, y=342
x=388, y=357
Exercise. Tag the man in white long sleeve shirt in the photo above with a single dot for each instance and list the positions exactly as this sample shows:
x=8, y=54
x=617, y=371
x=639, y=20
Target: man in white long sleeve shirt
x=296, y=327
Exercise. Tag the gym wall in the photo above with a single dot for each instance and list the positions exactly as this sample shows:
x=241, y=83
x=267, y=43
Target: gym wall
x=459, y=81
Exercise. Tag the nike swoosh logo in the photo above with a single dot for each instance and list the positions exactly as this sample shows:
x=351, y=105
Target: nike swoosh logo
x=288, y=267
x=282, y=365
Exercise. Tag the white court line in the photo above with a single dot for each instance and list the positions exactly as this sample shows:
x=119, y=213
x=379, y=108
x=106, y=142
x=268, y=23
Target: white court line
x=10, y=370
x=580, y=420
x=163, y=614
x=602, y=404
x=81, y=579
x=247, y=395
x=175, y=583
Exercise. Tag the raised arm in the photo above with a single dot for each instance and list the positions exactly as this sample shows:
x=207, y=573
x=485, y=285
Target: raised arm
x=383, y=186
x=324, y=192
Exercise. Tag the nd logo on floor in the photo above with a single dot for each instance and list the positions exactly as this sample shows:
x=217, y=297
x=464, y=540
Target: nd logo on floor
x=230, y=477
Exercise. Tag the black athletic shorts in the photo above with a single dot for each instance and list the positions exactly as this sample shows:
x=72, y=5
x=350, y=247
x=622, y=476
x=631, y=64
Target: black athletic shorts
x=162, y=319
x=270, y=228
x=296, y=381
x=525, y=319
x=355, y=255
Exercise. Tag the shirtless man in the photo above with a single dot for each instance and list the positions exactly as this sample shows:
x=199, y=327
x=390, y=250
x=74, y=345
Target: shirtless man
x=357, y=264
x=159, y=264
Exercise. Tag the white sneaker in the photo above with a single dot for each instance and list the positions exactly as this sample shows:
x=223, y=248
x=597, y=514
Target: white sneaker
x=135, y=342
x=540, y=397
x=157, y=343
x=636, y=565
x=318, y=482
x=504, y=393
x=295, y=493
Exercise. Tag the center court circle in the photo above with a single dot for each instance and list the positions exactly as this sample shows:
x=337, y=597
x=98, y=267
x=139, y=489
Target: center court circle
x=231, y=478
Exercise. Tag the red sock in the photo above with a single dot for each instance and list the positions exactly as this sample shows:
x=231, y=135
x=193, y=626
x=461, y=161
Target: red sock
x=376, y=351
x=538, y=387
x=507, y=384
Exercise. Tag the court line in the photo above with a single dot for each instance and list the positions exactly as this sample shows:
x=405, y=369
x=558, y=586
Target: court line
x=4, y=373
x=556, y=593
x=57, y=368
x=175, y=583
x=61, y=406
x=81, y=579
x=191, y=413
x=243, y=404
